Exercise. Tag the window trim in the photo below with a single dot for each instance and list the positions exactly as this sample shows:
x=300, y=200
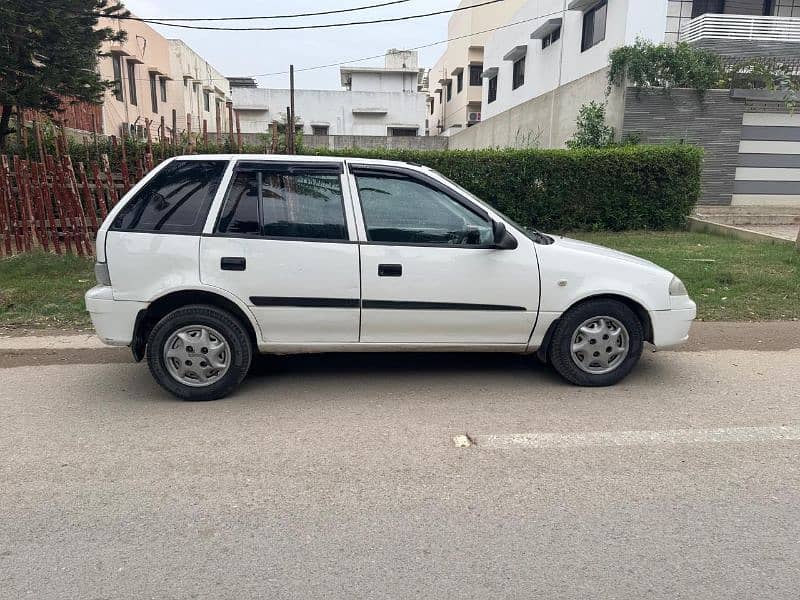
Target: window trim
x=326, y=168
x=364, y=169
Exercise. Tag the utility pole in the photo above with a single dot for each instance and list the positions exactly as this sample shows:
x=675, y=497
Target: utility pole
x=560, y=75
x=290, y=124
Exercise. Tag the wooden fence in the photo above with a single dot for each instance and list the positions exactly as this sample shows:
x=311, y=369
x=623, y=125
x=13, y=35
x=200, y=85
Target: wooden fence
x=57, y=206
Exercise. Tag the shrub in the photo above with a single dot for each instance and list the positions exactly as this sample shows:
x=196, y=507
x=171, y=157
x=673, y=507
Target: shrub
x=649, y=65
x=630, y=187
x=592, y=130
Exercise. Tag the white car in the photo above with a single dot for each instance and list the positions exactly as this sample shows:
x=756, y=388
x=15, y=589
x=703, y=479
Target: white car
x=211, y=258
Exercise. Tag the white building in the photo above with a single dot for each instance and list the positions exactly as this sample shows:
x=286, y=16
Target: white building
x=201, y=91
x=376, y=101
x=538, y=73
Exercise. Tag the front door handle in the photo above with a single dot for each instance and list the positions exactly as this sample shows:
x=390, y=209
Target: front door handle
x=233, y=263
x=390, y=270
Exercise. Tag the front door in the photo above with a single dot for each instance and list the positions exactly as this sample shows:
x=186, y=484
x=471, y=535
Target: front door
x=429, y=271
x=282, y=245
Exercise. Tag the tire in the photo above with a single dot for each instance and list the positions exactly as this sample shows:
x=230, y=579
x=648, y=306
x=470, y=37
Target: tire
x=608, y=325
x=212, y=372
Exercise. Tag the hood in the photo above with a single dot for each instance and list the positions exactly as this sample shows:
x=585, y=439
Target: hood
x=596, y=250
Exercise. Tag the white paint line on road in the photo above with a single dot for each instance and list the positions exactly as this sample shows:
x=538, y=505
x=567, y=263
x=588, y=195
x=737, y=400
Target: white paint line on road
x=725, y=435
x=51, y=342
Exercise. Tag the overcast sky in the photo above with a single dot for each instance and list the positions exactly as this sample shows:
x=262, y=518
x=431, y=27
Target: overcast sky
x=253, y=52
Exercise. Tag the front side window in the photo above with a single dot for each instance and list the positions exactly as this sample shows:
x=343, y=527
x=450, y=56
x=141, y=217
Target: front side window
x=492, y=89
x=132, y=82
x=280, y=201
x=518, y=78
x=399, y=209
x=176, y=200
x=594, y=26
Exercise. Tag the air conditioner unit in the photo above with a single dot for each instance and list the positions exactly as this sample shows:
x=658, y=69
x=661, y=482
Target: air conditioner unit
x=474, y=117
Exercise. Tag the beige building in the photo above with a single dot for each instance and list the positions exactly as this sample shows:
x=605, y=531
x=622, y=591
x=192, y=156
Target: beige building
x=140, y=68
x=455, y=80
x=201, y=91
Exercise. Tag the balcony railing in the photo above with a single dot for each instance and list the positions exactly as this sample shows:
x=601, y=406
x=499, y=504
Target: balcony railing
x=741, y=27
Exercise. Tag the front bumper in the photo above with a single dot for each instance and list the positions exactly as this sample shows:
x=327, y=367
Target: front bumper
x=671, y=327
x=113, y=320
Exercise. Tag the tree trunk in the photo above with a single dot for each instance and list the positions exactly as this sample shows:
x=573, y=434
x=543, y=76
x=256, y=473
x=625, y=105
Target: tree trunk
x=5, y=130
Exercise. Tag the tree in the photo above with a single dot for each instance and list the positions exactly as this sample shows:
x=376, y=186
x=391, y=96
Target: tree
x=592, y=131
x=48, y=54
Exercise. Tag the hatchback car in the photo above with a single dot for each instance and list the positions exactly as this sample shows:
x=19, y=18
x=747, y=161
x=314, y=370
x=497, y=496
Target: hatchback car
x=211, y=258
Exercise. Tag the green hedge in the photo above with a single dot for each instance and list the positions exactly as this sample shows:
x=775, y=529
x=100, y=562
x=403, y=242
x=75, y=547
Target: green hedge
x=628, y=187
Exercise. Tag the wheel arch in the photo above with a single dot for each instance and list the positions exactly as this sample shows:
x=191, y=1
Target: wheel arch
x=637, y=307
x=163, y=305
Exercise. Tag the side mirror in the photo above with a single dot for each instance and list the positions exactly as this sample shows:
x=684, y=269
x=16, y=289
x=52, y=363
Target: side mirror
x=502, y=239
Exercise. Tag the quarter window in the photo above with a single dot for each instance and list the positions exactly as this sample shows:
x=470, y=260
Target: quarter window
x=399, y=209
x=280, y=201
x=594, y=26
x=176, y=200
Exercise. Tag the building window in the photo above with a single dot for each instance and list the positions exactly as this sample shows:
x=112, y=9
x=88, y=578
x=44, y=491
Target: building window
x=459, y=82
x=132, y=82
x=402, y=131
x=449, y=90
x=492, y=89
x=786, y=8
x=153, y=92
x=116, y=62
x=320, y=129
x=679, y=12
x=439, y=92
x=431, y=104
x=475, y=75
x=163, y=83
x=551, y=38
x=518, y=78
x=594, y=26
x=206, y=101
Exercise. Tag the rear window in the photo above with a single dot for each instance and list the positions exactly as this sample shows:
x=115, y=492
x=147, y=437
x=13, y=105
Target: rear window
x=176, y=200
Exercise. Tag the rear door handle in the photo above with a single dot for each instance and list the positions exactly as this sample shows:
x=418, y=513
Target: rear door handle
x=233, y=263
x=390, y=270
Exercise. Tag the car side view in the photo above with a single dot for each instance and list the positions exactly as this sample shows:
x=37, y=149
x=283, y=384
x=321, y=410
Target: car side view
x=210, y=259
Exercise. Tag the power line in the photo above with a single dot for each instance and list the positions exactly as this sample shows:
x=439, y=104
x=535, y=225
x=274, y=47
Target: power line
x=292, y=16
x=318, y=26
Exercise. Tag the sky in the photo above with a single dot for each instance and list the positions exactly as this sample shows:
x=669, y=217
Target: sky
x=250, y=53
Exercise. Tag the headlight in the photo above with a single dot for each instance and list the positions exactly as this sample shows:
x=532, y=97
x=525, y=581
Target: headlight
x=101, y=273
x=676, y=288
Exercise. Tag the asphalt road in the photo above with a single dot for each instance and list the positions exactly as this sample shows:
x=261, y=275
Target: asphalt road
x=338, y=477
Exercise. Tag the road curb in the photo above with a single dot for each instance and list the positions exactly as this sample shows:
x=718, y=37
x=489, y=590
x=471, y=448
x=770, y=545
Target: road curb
x=51, y=342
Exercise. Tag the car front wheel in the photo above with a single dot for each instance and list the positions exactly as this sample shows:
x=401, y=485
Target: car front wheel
x=199, y=352
x=597, y=343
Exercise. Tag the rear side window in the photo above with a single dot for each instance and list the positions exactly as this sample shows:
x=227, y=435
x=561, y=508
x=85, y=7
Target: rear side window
x=176, y=200
x=285, y=202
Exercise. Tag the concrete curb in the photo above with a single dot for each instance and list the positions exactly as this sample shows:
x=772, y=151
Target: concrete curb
x=702, y=226
x=51, y=342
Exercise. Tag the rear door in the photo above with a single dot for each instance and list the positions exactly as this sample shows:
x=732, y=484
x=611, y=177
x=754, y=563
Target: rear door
x=430, y=273
x=282, y=244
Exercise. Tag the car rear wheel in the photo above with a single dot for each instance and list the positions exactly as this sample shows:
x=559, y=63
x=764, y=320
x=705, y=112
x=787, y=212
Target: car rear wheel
x=597, y=343
x=199, y=352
